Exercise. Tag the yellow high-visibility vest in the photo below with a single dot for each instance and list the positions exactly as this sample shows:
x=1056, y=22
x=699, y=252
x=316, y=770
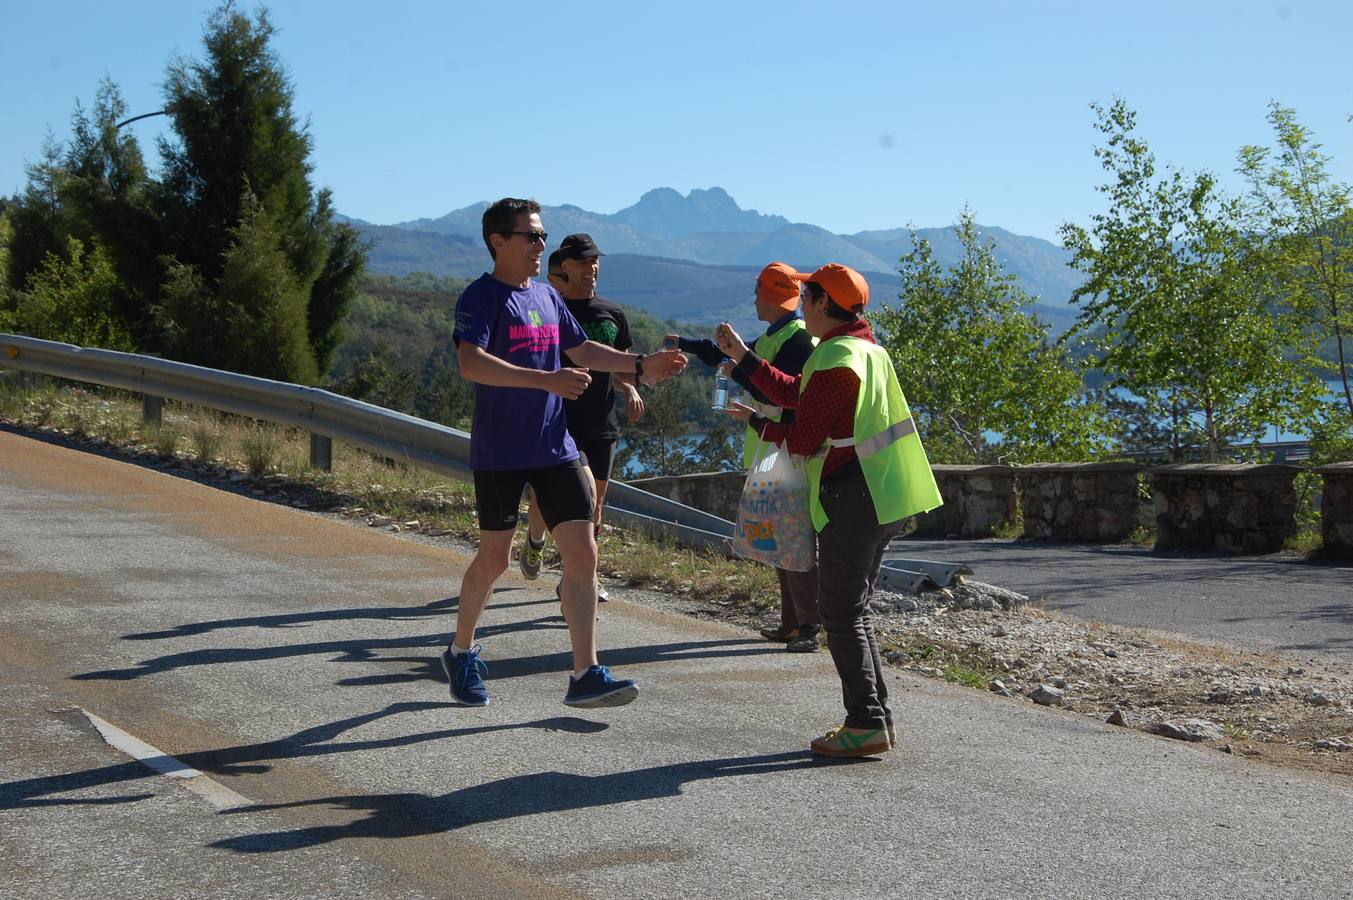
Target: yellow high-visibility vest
x=885, y=439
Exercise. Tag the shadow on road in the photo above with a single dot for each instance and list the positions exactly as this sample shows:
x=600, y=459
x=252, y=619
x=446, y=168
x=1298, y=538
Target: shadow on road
x=420, y=667
x=251, y=758
x=395, y=816
x=293, y=620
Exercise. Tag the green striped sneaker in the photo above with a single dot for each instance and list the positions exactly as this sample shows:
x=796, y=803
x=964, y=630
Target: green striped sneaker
x=845, y=741
x=531, y=555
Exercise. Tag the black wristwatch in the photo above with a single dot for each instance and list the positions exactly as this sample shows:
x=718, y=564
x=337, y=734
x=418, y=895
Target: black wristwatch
x=638, y=367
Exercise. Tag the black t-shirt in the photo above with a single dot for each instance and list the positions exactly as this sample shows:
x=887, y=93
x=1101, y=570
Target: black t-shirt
x=592, y=416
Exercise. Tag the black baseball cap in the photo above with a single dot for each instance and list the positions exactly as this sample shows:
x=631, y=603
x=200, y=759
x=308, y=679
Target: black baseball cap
x=578, y=246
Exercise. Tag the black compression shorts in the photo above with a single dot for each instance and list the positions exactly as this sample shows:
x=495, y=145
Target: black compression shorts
x=562, y=493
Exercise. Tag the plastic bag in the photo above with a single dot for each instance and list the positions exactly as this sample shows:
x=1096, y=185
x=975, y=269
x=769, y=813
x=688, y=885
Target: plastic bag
x=774, y=526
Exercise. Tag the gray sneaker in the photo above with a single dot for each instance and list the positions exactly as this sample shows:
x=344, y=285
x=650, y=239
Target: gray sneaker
x=531, y=555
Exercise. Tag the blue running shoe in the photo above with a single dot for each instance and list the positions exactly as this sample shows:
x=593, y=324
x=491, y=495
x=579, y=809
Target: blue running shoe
x=465, y=674
x=598, y=688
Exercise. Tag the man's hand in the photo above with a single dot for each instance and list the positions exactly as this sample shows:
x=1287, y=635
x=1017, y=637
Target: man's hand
x=739, y=411
x=567, y=383
x=729, y=342
x=663, y=365
x=634, y=404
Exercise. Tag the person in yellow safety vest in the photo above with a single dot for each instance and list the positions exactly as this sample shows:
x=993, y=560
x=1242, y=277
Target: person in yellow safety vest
x=787, y=346
x=867, y=472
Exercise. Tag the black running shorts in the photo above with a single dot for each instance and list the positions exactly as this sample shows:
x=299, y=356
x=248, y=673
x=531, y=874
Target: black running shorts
x=599, y=456
x=562, y=493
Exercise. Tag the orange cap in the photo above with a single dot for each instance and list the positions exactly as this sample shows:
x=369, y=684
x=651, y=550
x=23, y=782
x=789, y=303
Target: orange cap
x=778, y=284
x=844, y=285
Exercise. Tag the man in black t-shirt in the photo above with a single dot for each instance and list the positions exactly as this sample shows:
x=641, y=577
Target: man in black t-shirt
x=573, y=270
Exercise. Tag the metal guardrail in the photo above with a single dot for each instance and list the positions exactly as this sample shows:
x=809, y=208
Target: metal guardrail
x=329, y=417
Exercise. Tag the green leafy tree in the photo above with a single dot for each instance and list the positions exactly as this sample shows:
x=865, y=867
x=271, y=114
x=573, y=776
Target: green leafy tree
x=656, y=444
x=6, y=294
x=91, y=190
x=71, y=298
x=1172, y=300
x=254, y=315
x=38, y=227
x=106, y=195
x=238, y=145
x=1304, y=218
x=719, y=449
x=378, y=378
x=442, y=395
x=973, y=362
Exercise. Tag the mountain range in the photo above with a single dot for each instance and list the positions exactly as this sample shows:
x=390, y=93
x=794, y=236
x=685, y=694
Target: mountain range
x=695, y=257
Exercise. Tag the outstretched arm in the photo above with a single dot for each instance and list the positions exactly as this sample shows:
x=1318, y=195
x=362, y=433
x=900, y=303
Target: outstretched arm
x=482, y=367
x=657, y=366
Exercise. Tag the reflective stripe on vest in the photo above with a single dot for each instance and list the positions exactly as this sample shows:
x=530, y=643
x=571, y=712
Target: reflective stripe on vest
x=869, y=446
x=891, y=458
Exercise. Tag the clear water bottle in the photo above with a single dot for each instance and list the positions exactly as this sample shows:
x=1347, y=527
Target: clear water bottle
x=721, y=385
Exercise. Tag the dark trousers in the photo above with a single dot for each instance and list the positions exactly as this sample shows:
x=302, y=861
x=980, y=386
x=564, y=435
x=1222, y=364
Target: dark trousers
x=849, y=552
x=798, y=598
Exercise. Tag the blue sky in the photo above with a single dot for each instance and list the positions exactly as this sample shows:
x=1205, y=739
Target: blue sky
x=849, y=116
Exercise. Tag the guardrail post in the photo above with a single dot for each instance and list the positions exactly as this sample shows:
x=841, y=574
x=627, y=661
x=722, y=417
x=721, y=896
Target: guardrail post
x=321, y=452
x=150, y=409
x=150, y=406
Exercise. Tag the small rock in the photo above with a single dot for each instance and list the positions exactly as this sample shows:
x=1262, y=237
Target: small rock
x=1295, y=670
x=412, y=525
x=1046, y=695
x=379, y=521
x=1336, y=744
x=1193, y=730
x=997, y=686
x=1317, y=697
x=999, y=631
x=1117, y=718
x=1110, y=652
x=1059, y=682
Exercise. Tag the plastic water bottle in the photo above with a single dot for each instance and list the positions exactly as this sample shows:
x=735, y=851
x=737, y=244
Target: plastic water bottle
x=721, y=384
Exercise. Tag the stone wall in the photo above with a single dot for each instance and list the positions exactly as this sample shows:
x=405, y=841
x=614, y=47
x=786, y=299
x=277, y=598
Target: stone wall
x=1336, y=509
x=977, y=501
x=1089, y=502
x=1236, y=508
x=1233, y=507
x=714, y=492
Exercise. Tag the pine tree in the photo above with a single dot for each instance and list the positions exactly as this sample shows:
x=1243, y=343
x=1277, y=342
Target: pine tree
x=238, y=144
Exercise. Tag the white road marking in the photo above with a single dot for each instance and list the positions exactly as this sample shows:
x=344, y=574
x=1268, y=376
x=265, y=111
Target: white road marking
x=218, y=795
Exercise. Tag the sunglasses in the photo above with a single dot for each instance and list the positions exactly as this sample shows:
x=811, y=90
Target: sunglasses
x=535, y=237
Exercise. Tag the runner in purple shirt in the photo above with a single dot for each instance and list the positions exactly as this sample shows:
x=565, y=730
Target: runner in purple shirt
x=510, y=332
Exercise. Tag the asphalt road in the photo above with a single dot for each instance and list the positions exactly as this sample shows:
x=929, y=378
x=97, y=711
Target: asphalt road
x=1276, y=602
x=292, y=659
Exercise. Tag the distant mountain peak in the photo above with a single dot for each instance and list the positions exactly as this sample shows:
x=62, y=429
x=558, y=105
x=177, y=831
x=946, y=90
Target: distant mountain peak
x=665, y=213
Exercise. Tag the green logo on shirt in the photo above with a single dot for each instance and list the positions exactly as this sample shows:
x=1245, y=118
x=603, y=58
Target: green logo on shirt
x=534, y=317
x=603, y=331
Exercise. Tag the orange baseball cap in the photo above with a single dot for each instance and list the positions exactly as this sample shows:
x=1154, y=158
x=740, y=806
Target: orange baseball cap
x=844, y=285
x=778, y=283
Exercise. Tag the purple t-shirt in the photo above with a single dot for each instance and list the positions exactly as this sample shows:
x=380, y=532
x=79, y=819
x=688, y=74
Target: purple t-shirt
x=517, y=428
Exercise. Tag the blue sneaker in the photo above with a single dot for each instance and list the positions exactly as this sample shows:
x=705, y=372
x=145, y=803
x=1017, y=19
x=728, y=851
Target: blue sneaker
x=465, y=674
x=598, y=688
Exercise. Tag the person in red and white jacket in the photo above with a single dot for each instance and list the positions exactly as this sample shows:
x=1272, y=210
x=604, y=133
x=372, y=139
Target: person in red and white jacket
x=859, y=501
